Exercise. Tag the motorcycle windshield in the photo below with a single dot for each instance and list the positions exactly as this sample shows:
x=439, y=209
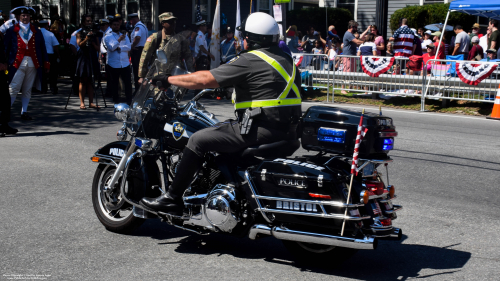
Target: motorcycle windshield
x=147, y=90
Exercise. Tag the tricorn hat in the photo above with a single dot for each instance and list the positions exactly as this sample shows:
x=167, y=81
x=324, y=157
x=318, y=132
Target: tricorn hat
x=23, y=10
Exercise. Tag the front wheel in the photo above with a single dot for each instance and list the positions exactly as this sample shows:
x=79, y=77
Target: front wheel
x=111, y=209
x=318, y=254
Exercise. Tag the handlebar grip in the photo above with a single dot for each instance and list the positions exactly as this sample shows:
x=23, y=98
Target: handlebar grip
x=159, y=84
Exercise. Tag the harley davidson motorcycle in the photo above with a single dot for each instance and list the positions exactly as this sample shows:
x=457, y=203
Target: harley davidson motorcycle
x=261, y=191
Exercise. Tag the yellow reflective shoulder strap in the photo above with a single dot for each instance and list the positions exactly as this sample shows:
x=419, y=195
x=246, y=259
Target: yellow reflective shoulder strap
x=278, y=67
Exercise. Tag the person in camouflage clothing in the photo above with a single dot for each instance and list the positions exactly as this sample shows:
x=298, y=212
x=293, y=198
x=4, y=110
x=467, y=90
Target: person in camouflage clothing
x=176, y=47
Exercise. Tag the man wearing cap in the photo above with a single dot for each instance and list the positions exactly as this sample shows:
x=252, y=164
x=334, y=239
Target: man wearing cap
x=228, y=46
x=476, y=52
x=442, y=47
x=491, y=55
x=51, y=44
x=474, y=32
x=430, y=54
x=25, y=46
x=176, y=47
x=12, y=21
x=494, y=39
x=138, y=38
x=201, y=52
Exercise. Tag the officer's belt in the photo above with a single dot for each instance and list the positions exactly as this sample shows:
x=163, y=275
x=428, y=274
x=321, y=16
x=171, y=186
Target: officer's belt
x=269, y=124
x=282, y=100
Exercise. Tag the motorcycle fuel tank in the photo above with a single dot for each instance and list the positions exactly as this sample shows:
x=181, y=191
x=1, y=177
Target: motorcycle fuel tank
x=179, y=130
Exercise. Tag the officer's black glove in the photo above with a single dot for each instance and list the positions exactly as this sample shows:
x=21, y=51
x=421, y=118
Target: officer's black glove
x=162, y=79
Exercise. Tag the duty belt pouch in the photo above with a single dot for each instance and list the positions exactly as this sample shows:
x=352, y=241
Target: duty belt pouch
x=246, y=122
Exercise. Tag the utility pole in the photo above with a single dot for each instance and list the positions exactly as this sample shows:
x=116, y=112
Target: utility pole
x=381, y=18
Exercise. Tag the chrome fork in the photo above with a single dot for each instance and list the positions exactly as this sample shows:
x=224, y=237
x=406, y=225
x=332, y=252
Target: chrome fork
x=111, y=186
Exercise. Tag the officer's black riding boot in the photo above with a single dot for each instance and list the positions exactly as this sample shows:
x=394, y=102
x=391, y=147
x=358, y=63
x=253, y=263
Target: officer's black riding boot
x=171, y=202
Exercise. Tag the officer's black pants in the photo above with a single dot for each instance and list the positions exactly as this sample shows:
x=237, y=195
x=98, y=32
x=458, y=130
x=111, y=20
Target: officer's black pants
x=114, y=80
x=4, y=100
x=225, y=137
x=136, y=58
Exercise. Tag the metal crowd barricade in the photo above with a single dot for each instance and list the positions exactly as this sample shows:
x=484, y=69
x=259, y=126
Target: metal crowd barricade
x=349, y=77
x=314, y=71
x=442, y=82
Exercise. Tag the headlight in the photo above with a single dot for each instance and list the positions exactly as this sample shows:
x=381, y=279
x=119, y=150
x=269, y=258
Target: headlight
x=121, y=111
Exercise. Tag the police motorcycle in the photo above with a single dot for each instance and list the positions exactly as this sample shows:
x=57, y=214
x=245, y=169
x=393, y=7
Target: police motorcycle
x=261, y=191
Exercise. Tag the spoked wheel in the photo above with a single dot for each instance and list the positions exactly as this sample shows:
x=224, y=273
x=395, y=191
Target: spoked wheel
x=318, y=254
x=111, y=209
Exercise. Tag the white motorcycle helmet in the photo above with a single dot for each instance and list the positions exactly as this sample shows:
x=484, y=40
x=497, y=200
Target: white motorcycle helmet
x=260, y=30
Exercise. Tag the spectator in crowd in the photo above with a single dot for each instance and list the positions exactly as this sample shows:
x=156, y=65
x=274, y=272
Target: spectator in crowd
x=405, y=42
x=52, y=46
x=494, y=40
x=461, y=42
x=368, y=48
x=491, y=55
x=308, y=40
x=118, y=45
x=318, y=49
x=442, y=48
x=292, y=40
x=350, y=44
x=429, y=54
x=427, y=40
x=332, y=38
x=87, y=64
x=379, y=40
x=420, y=32
x=282, y=45
x=150, y=28
x=390, y=49
x=299, y=37
x=483, y=41
x=474, y=32
x=332, y=56
x=476, y=52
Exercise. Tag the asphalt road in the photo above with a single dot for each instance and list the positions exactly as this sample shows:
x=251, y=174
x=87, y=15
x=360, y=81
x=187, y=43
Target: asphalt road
x=446, y=173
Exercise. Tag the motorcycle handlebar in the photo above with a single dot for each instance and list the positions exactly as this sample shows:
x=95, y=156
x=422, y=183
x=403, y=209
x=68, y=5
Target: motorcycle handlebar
x=202, y=93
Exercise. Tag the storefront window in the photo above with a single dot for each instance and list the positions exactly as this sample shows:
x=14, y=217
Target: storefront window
x=204, y=9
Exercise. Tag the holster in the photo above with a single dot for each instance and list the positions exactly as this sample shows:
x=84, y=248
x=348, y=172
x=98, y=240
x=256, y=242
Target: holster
x=246, y=122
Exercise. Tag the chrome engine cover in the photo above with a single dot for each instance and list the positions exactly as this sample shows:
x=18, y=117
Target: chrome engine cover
x=220, y=207
x=218, y=210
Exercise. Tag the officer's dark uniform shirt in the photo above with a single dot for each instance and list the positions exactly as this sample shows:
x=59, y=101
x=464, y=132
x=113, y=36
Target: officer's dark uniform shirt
x=254, y=79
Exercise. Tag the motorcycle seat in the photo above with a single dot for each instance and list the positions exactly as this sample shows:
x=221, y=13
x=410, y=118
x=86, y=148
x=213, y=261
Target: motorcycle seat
x=279, y=149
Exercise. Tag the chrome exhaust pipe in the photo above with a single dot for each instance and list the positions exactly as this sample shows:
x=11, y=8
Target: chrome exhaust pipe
x=368, y=243
x=396, y=234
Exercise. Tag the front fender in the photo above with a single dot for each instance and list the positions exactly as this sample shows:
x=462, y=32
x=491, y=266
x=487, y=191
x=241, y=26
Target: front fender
x=111, y=153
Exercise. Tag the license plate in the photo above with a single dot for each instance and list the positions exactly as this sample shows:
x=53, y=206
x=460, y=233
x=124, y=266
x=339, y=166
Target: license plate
x=368, y=170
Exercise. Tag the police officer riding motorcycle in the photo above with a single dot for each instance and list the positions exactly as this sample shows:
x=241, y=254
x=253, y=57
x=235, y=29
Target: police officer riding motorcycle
x=267, y=103
x=201, y=175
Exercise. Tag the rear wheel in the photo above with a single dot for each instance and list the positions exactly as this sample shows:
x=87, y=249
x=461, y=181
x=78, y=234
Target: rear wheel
x=318, y=254
x=111, y=209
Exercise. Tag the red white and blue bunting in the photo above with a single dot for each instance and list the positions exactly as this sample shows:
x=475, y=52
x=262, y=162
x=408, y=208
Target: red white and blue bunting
x=474, y=73
x=374, y=66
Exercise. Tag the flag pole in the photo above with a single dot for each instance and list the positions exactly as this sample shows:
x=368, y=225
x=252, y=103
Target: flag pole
x=250, y=7
x=354, y=165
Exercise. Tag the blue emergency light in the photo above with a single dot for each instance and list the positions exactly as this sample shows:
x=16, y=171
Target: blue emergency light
x=388, y=144
x=331, y=135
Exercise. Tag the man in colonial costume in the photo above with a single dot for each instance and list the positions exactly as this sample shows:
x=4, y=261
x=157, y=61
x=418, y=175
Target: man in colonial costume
x=27, y=56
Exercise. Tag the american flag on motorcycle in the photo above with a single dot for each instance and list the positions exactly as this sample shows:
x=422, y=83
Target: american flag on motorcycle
x=361, y=133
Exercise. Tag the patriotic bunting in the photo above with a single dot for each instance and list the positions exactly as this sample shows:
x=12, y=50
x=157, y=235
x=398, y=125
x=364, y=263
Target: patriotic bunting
x=374, y=66
x=474, y=73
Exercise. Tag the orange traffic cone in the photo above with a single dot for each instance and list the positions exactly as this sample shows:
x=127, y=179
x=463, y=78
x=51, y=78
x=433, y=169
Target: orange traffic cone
x=495, y=114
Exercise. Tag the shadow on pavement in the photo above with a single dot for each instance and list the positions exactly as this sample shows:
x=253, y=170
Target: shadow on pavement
x=391, y=261
x=48, y=110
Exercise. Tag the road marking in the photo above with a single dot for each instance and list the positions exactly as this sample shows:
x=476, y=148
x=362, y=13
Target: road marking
x=405, y=111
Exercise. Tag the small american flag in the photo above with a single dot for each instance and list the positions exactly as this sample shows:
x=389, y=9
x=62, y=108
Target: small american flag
x=361, y=133
x=198, y=12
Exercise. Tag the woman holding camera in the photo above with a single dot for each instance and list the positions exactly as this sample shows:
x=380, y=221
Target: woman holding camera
x=87, y=64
